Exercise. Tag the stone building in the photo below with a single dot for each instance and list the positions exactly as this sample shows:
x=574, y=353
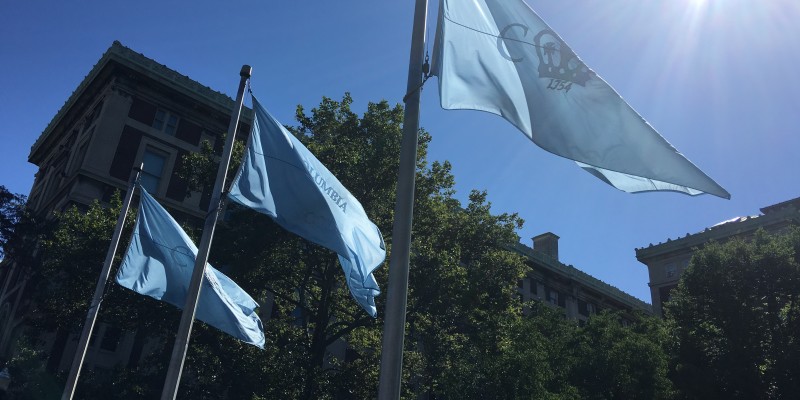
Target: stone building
x=579, y=294
x=666, y=261
x=128, y=110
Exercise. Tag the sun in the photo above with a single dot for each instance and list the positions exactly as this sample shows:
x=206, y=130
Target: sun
x=699, y=4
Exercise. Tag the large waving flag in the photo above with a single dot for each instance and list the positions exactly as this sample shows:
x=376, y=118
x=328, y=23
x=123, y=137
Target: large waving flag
x=281, y=178
x=499, y=56
x=159, y=264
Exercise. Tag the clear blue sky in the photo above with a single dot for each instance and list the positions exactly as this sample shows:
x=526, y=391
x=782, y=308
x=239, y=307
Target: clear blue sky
x=719, y=79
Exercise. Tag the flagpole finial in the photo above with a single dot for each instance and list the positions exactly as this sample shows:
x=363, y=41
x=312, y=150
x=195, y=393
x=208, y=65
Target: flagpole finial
x=246, y=71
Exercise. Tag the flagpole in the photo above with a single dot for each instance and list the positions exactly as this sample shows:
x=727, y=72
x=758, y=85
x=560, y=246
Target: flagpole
x=187, y=317
x=395, y=319
x=94, y=306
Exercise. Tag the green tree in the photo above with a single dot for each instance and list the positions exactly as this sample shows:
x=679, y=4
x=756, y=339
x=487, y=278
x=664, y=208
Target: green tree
x=72, y=247
x=462, y=286
x=736, y=320
x=463, y=280
x=312, y=306
x=19, y=230
x=530, y=360
x=613, y=361
x=12, y=211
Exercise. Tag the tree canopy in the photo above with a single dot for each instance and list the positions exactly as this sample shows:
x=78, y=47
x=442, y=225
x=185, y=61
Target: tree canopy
x=736, y=320
x=12, y=219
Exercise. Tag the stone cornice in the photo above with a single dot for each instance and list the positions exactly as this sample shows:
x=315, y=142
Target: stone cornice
x=124, y=56
x=581, y=277
x=721, y=231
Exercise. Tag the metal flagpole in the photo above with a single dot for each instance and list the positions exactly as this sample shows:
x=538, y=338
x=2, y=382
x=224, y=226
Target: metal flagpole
x=395, y=319
x=94, y=306
x=187, y=318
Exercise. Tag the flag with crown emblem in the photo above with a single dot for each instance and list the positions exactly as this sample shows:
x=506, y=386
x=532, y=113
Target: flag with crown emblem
x=499, y=56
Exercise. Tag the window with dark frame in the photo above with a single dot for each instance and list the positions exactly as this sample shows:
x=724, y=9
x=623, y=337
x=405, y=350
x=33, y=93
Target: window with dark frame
x=166, y=122
x=552, y=297
x=153, y=169
x=111, y=338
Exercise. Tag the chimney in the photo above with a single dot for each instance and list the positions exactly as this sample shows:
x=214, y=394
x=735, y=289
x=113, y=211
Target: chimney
x=546, y=243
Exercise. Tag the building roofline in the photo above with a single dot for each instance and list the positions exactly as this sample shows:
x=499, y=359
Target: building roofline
x=795, y=203
x=142, y=64
x=777, y=213
x=546, y=234
x=581, y=277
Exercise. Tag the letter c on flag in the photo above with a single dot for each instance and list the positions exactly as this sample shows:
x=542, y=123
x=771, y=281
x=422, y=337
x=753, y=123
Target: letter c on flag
x=501, y=41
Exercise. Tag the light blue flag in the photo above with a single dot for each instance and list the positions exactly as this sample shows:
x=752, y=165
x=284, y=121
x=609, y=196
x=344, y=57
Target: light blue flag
x=281, y=178
x=499, y=56
x=159, y=264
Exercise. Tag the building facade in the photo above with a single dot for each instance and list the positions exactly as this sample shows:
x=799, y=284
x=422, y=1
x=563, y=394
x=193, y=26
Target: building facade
x=129, y=110
x=565, y=287
x=666, y=261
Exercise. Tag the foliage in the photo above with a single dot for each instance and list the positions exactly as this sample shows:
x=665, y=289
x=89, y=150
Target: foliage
x=200, y=169
x=530, y=360
x=72, y=257
x=454, y=248
x=467, y=334
x=12, y=207
x=462, y=281
x=30, y=381
x=73, y=247
x=622, y=362
x=18, y=228
x=736, y=320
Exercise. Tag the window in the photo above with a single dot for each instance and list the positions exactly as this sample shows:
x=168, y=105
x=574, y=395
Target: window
x=142, y=111
x=583, y=308
x=552, y=297
x=670, y=270
x=111, y=338
x=166, y=122
x=108, y=335
x=153, y=168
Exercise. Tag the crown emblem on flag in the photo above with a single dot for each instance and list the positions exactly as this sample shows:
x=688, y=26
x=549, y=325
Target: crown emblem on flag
x=557, y=61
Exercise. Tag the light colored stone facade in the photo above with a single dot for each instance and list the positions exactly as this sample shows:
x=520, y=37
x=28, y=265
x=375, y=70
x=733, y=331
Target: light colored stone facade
x=666, y=261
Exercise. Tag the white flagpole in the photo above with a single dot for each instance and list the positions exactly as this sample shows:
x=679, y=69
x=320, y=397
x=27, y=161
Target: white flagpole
x=214, y=208
x=395, y=319
x=94, y=306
